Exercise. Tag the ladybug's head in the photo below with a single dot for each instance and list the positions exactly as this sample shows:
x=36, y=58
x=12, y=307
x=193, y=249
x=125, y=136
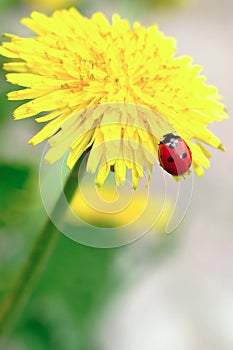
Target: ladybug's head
x=170, y=140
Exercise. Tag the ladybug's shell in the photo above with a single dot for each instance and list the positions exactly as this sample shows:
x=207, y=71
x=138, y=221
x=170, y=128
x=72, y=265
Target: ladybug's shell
x=175, y=160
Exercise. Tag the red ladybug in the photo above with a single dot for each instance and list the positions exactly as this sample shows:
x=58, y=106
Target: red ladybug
x=174, y=154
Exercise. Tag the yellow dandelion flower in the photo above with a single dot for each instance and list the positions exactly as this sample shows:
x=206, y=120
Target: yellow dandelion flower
x=110, y=88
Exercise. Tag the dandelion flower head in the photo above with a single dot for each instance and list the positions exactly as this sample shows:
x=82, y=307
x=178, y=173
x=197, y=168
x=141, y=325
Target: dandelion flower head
x=92, y=82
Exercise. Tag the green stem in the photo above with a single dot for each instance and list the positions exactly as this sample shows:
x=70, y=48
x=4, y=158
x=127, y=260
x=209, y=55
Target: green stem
x=20, y=291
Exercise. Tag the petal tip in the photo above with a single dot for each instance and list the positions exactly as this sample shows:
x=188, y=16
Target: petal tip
x=222, y=148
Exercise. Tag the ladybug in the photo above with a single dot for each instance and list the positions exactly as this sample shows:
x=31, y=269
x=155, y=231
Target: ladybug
x=174, y=155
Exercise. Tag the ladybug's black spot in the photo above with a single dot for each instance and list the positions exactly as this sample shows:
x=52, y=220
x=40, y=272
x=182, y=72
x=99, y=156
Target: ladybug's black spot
x=160, y=156
x=170, y=160
x=183, y=155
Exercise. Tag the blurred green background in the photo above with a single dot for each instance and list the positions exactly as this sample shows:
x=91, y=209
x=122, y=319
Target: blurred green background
x=169, y=294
